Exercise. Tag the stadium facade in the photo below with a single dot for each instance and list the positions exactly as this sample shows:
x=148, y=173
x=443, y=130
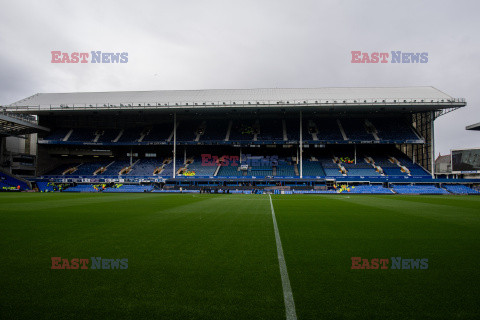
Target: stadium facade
x=230, y=138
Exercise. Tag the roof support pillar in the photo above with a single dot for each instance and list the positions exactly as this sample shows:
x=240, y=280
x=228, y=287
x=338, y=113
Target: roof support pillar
x=355, y=151
x=174, y=144
x=432, y=145
x=301, y=147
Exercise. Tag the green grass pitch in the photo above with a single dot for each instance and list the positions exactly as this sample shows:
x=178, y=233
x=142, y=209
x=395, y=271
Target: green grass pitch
x=215, y=256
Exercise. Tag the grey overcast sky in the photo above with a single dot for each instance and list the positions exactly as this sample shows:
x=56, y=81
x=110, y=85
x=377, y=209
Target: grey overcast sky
x=245, y=44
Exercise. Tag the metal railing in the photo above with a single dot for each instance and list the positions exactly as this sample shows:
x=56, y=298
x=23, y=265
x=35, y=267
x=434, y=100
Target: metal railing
x=236, y=103
x=19, y=116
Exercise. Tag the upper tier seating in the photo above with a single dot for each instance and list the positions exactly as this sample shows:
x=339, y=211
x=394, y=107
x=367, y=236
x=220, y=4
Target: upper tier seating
x=293, y=129
x=215, y=130
x=131, y=135
x=355, y=129
x=243, y=131
x=81, y=134
x=62, y=168
x=327, y=129
x=108, y=135
x=57, y=134
x=271, y=130
x=160, y=132
x=393, y=129
x=187, y=130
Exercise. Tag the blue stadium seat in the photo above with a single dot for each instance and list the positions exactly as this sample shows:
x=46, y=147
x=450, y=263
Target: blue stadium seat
x=8, y=182
x=460, y=189
x=128, y=188
x=81, y=188
x=201, y=170
x=313, y=169
x=145, y=167
x=393, y=129
x=418, y=189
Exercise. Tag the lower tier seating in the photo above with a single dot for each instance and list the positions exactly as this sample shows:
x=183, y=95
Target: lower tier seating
x=418, y=189
x=460, y=189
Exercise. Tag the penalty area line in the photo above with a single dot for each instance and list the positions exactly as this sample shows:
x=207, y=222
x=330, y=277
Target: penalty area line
x=291, y=314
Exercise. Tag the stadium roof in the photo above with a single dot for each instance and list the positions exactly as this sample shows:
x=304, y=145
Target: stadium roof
x=423, y=98
x=475, y=126
x=13, y=125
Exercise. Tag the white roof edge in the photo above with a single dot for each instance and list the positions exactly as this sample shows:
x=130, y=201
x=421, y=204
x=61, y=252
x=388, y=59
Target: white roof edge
x=244, y=89
x=218, y=95
x=475, y=126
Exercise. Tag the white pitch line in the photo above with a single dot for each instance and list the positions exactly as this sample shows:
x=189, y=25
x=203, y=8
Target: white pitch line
x=287, y=289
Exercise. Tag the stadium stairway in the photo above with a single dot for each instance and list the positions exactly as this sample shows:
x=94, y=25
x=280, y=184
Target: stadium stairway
x=295, y=169
x=229, y=130
x=342, y=130
x=119, y=136
x=68, y=135
x=312, y=130
x=102, y=169
x=371, y=129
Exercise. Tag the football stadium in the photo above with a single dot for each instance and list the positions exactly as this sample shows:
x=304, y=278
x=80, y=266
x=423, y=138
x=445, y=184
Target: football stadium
x=281, y=141
x=307, y=203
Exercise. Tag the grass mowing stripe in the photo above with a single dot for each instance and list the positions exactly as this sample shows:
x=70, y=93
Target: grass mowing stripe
x=287, y=289
x=188, y=258
x=319, y=238
x=439, y=209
